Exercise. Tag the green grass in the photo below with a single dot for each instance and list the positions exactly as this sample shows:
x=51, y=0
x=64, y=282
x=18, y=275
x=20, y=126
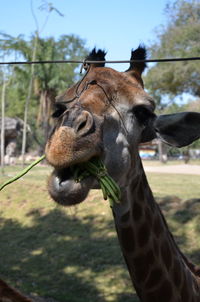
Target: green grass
x=183, y=186
x=72, y=254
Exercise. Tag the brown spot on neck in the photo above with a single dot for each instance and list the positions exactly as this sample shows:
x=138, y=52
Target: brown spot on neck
x=125, y=217
x=185, y=292
x=165, y=291
x=127, y=239
x=155, y=278
x=158, y=226
x=166, y=254
x=143, y=234
x=177, y=276
x=137, y=211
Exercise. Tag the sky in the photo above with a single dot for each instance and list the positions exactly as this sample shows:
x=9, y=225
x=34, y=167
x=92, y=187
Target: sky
x=114, y=25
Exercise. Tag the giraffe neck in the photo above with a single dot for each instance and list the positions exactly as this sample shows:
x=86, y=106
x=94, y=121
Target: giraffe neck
x=158, y=270
x=9, y=294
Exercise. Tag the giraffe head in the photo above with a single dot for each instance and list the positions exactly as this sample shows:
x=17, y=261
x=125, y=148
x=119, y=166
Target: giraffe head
x=107, y=114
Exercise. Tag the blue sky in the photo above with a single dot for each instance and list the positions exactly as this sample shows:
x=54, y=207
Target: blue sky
x=114, y=25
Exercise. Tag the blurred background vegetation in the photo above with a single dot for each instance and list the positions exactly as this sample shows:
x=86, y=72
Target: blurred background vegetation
x=48, y=80
x=31, y=91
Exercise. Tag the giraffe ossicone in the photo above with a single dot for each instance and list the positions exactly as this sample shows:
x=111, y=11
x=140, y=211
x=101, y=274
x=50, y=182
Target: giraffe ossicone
x=107, y=115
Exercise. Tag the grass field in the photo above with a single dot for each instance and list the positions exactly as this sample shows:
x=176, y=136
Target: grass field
x=72, y=254
x=170, y=162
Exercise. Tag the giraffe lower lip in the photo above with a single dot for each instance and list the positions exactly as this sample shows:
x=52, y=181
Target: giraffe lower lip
x=65, y=190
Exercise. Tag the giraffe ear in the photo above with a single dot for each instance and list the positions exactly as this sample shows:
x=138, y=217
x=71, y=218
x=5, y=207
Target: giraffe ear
x=180, y=129
x=136, y=68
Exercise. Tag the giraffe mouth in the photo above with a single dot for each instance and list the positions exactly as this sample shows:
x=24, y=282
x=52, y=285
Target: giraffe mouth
x=65, y=190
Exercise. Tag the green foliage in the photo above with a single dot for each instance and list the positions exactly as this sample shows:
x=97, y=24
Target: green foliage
x=49, y=76
x=48, y=79
x=179, y=38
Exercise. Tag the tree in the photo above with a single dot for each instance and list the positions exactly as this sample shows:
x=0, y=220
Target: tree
x=179, y=38
x=49, y=79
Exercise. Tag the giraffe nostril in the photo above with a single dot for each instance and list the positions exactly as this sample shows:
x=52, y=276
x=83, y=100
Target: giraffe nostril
x=81, y=126
x=84, y=123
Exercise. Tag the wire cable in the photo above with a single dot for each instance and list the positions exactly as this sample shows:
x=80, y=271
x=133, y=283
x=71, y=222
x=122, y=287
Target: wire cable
x=98, y=62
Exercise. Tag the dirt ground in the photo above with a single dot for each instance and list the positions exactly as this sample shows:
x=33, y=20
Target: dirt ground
x=174, y=169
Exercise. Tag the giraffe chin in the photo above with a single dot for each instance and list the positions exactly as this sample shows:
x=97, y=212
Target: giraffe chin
x=65, y=190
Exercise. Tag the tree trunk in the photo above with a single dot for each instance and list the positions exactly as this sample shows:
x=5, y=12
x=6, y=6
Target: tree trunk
x=162, y=152
x=3, y=96
x=47, y=99
x=24, y=136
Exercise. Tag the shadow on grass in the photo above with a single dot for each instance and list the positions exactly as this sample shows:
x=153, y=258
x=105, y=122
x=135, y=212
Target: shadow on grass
x=183, y=220
x=76, y=260
x=58, y=256
x=189, y=210
x=127, y=298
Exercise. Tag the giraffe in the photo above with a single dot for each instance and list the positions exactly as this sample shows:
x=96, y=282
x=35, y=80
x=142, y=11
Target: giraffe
x=108, y=114
x=9, y=294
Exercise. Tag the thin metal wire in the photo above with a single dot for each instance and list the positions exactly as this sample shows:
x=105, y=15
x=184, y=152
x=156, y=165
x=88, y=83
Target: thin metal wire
x=98, y=62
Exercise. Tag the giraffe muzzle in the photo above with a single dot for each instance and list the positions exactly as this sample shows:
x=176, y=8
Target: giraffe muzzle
x=76, y=138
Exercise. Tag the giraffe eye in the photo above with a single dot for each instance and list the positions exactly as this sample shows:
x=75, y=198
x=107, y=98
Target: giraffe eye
x=59, y=109
x=143, y=114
